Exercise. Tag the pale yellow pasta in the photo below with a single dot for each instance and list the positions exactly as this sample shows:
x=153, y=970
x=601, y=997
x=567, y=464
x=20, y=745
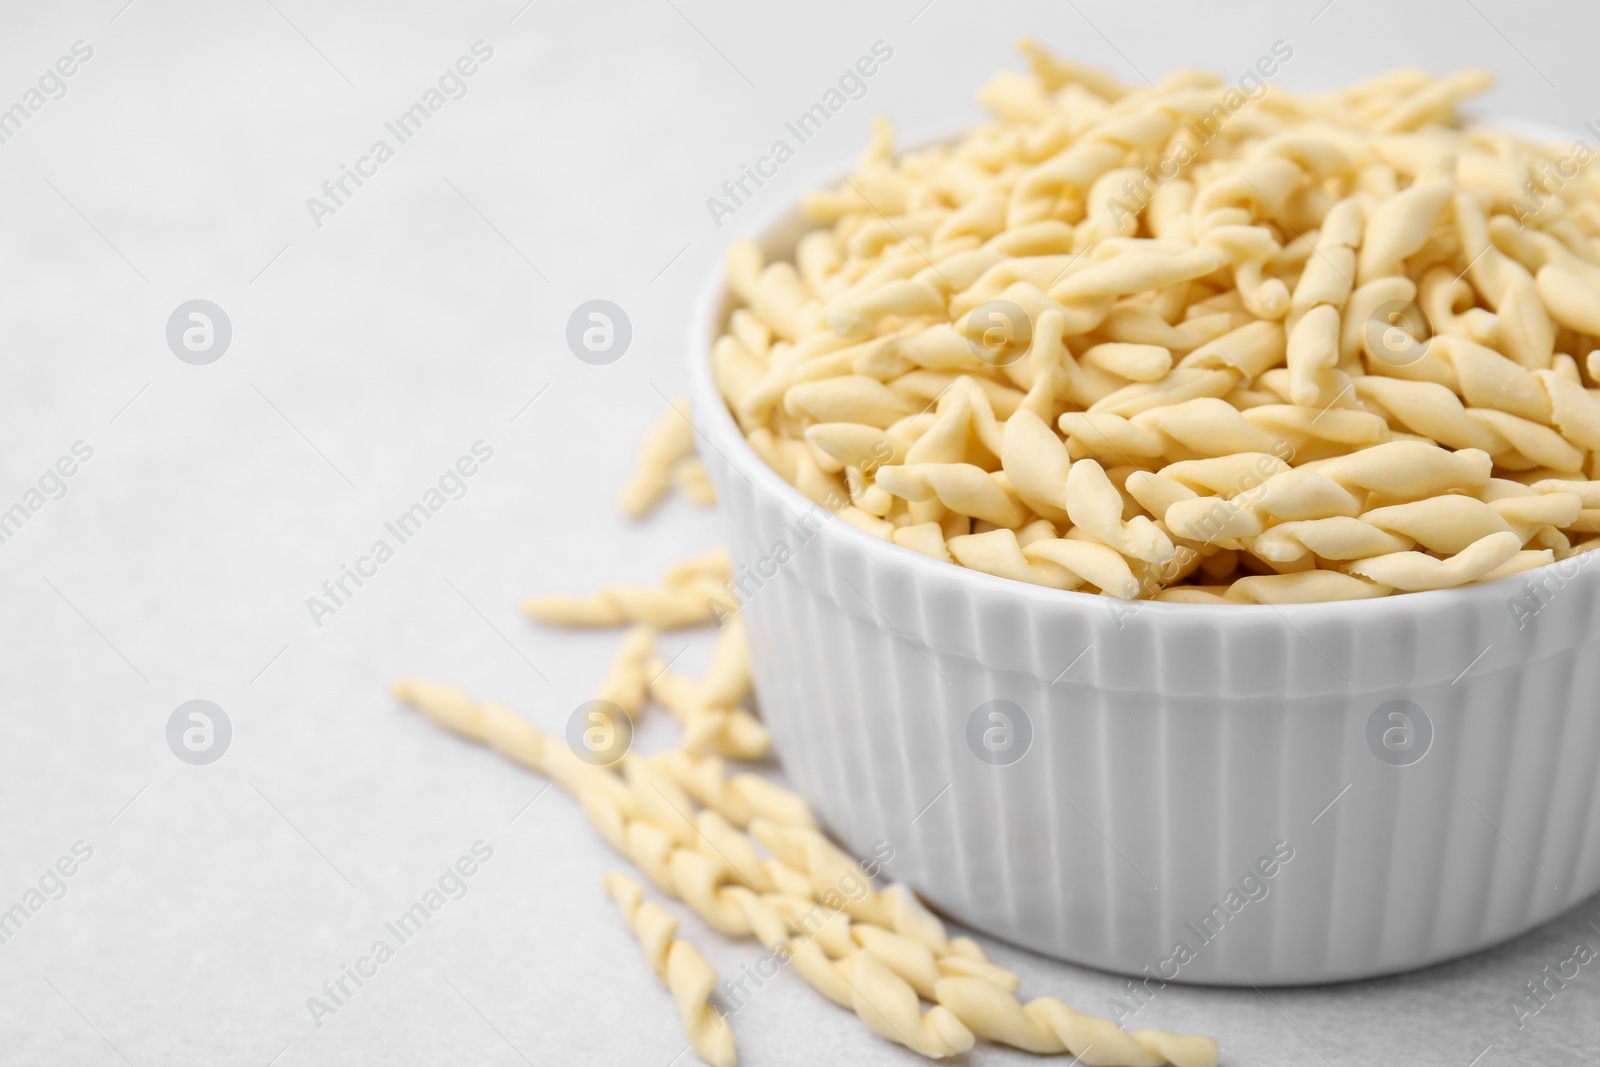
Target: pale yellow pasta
x=1156, y=492
x=1313, y=355
x=1089, y=562
x=1095, y=507
x=1300, y=494
x=1136, y=362
x=1417, y=570
x=627, y=681
x=1048, y=1026
x=1443, y=524
x=1036, y=464
x=891, y=1009
x=1525, y=560
x=669, y=441
x=960, y=487
x=1256, y=343
x=680, y=967
x=1228, y=475
x=1408, y=470
x=1336, y=538
x=1302, y=587
x=877, y=952
x=1587, y=492
x=1214, y=519
x=924, y=537
x=739, y=798
x=709, y=708
x=997, y=552
x=693, y=592
x=690, y=476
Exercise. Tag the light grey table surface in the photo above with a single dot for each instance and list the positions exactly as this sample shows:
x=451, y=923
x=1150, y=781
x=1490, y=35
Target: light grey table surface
x=425, y=314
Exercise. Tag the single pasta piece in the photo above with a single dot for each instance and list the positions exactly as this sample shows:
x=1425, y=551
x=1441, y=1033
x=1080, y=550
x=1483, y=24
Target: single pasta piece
x=689, y=475
x=709, y=708
x=627, y=683
x=1302, y=587
x=890, y=1008
x=680, y=967
x=1048, y=1026
x=1418, y=570
x=694, y=591
x=668, y=441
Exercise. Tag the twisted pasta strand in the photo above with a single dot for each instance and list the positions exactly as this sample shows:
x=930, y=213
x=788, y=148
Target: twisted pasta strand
x=693, y=593
x=700, y=859
x=876, y=952
x=709, y=708
x=680, y=967
x=1050, y=1027
x=669, y=441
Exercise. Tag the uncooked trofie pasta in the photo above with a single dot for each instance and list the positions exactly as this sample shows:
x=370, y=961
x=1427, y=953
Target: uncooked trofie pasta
x=880, y=953
x=666, y=457
x=693, y=592
x=1181, y=342
x=679, y=966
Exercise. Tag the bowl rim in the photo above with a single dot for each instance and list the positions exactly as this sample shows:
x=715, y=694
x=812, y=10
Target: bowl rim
x=714, y=424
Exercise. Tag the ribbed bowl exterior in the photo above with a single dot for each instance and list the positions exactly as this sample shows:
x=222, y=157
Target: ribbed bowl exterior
x=1174, y=747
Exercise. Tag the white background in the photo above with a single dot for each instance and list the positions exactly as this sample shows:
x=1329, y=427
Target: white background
x=368, y=354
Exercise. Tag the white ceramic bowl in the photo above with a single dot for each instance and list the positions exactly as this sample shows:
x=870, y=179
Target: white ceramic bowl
x=1153, y=756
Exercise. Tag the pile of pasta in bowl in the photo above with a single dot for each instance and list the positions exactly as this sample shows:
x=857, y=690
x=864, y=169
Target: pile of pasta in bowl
x=1186, y=342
